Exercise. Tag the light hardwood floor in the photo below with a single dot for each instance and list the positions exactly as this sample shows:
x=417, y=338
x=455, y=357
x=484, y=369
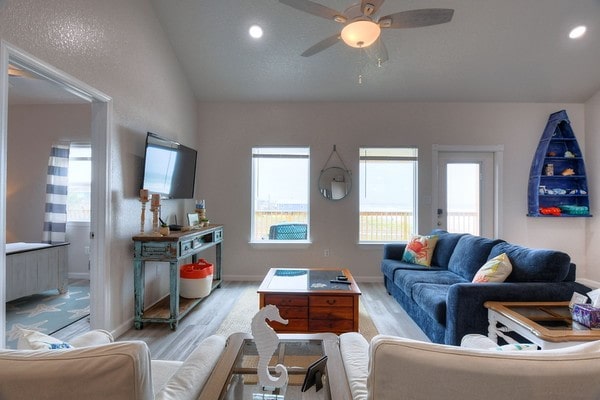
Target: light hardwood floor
x=205, y=319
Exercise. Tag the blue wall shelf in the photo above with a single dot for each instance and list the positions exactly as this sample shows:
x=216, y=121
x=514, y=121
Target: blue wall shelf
x=557, y=179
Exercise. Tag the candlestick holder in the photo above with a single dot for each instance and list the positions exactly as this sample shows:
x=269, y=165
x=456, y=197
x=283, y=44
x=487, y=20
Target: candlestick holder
x=143, y=215
x=155, y=228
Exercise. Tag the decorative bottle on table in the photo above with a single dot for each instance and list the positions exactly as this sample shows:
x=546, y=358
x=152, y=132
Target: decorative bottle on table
x=201, y=211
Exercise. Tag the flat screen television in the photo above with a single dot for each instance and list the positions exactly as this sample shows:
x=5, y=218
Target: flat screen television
x=169, y=168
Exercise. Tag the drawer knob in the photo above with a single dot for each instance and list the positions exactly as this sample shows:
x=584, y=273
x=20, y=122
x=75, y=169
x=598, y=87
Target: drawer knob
x=331, y=301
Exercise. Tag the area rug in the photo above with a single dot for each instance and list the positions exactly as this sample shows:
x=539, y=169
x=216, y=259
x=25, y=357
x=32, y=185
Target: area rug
x=46, y=312
x=246, y=307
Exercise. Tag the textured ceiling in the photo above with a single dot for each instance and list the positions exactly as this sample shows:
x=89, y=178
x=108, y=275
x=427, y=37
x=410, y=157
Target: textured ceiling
x=492, y=51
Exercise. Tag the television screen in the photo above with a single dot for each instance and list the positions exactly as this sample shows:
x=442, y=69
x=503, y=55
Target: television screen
x=169, y=168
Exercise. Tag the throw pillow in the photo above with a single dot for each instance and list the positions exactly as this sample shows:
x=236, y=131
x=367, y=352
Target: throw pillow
x=517, y=347
x=419, y=249
x=496, y=269
x=33, y=340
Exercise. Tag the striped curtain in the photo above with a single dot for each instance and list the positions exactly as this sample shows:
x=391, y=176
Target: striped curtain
x=55, y=217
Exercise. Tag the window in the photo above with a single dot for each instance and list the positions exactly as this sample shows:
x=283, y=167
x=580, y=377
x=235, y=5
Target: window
x=388, y=194
x=80, y=179
x=280, y=193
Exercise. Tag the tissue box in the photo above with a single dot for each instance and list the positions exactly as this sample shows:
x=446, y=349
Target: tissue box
x=587, y=315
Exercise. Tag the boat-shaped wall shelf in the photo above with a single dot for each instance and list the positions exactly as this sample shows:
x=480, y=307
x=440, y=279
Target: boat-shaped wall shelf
x=557, y=179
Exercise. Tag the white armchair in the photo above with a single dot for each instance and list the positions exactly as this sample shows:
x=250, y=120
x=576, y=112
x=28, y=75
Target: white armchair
x=397, y=368
x=98, y=368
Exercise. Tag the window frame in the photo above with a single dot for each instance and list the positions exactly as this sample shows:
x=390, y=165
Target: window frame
x=411, y=158
x=271, y=242
x=86, y=145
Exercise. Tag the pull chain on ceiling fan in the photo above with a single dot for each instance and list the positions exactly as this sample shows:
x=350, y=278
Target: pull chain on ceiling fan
x=361, y=30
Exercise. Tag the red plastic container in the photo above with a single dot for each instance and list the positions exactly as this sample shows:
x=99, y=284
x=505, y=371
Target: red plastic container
x=195, y=280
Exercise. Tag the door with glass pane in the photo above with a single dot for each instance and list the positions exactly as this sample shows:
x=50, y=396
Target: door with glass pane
x=466, y=192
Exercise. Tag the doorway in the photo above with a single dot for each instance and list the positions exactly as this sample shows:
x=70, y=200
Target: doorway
x=100, y=139
x=466, y=189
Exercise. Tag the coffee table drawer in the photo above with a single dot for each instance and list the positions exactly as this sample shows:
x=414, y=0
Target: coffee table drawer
x=332, y=313
x=331, y=301
x=324, y=325
x=286, y=300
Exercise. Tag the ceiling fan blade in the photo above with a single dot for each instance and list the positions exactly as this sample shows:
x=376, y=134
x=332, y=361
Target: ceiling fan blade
x=378, y=52
x=381, y=55
x=417, y=18
x=322, y=45
x=18, y=72
x=315, y=9
x=370, y=7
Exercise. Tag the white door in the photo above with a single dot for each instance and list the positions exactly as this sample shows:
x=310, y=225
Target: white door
x=466, y=192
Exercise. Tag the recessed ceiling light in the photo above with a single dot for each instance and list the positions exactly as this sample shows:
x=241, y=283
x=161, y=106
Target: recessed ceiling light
x=577, y=32
x=255, y=31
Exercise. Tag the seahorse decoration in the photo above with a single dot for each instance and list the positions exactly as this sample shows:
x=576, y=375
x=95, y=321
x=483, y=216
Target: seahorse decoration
x=266, y=343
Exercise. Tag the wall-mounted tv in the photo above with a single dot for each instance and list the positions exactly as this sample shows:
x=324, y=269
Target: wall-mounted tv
x=169, y=168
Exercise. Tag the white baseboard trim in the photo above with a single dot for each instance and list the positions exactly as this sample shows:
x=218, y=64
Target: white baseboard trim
x=589, y=283
x=79, y=275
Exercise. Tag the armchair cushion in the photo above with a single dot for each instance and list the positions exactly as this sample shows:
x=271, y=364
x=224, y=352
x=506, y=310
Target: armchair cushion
x=119, y=371
x=188, y=381
x=401, y=368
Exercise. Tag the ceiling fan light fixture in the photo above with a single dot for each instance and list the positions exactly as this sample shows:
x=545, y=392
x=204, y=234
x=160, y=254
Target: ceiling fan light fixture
x=360, y=34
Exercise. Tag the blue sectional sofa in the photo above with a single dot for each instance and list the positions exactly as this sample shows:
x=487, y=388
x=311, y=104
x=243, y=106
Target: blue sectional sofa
x=445, y=303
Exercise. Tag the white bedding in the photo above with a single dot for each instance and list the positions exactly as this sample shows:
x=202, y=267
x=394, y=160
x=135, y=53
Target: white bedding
x=22, y=246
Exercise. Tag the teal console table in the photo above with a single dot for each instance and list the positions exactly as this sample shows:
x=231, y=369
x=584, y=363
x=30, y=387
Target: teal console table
x=173, y=249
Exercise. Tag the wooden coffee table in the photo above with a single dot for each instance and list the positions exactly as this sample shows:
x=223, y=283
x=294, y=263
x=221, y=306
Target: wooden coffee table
x=547, y=324
x=310, y=302
x=235, y=375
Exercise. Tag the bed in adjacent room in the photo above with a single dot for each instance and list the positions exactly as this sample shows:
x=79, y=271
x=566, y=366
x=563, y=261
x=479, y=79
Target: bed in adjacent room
x=35, y=267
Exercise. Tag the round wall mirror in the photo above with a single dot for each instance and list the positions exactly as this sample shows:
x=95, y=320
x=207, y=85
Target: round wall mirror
x=335, y=183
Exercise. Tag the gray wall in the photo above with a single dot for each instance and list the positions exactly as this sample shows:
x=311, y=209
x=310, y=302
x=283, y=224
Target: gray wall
x=228, y=132
x=119, y=48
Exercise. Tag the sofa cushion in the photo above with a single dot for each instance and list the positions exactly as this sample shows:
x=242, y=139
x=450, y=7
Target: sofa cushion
x=432, y=299
x=496, y=269
x=389, y=267
x=470, y=253
x=444, y=247
x=419, y=249
x=534, y=265
x=406, y=279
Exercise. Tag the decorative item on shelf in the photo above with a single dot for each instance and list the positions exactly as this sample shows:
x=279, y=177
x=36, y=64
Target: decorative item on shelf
x=193, y=220
x=549, y=169
x=569, y=154
x=551, y=154
x=267, y=342
x=155, y=208
x=201, y=211
x=568, y=172
x=164, y=228
x=143, y=199
x=550, y=211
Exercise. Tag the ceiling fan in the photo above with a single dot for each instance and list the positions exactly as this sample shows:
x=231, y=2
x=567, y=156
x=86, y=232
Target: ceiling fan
x=361, y=30
x=16, y=72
